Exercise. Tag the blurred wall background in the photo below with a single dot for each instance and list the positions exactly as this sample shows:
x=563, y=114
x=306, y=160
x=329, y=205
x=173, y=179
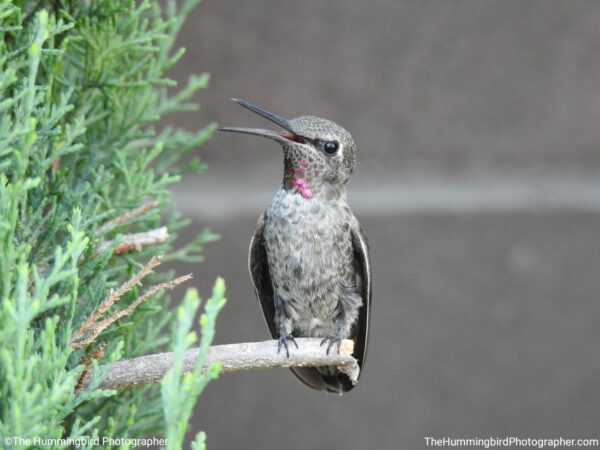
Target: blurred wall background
x=478, y=131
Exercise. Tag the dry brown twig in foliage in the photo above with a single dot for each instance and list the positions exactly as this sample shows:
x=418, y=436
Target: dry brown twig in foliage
x=127, y=216
x=94, y=355
x=95, y=323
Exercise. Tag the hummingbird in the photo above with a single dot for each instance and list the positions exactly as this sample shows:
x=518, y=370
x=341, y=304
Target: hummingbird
x=309, y=258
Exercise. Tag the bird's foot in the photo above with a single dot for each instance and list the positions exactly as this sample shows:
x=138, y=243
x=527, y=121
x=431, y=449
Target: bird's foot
x=283, y=340
x=333, y=340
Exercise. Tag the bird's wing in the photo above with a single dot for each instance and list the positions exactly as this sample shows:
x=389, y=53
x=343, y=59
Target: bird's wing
x=261, y=278
x=363, y=264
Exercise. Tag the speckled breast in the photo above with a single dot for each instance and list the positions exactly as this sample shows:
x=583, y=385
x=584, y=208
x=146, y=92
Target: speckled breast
x=309, y=250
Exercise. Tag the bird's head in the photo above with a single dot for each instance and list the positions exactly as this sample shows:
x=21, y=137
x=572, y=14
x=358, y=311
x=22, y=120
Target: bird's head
x=319, y=155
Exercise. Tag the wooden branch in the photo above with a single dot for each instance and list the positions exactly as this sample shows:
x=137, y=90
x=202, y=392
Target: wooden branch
x=129, y=373
x=136, y=241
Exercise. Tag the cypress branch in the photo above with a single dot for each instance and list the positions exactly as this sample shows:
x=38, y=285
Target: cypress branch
x=83, y=86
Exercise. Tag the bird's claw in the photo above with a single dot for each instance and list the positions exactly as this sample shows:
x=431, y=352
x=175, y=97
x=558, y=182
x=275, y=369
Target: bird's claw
x=283, y=340
x=333, y=340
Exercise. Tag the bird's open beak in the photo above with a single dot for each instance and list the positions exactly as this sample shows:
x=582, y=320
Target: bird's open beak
x=286, y=136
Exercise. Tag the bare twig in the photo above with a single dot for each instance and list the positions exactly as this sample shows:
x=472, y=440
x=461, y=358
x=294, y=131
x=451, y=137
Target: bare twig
x=94, y=324
x=129, y=373
x=136, y=241
x=127, y=216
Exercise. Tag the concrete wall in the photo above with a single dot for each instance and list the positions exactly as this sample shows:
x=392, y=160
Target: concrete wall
x=456, y=83
x=477, y=126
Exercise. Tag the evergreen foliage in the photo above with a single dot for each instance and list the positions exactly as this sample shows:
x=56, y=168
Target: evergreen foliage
x=180, y=394
x=82, y=87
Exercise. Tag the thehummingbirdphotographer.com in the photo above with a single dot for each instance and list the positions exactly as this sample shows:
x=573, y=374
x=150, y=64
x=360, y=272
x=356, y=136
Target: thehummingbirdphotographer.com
x=511, y=441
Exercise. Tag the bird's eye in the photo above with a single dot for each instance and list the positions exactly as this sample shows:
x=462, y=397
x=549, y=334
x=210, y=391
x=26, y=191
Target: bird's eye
x=331, y=147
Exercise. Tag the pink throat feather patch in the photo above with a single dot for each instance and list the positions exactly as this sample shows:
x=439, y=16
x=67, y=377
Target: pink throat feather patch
x=300, y=183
